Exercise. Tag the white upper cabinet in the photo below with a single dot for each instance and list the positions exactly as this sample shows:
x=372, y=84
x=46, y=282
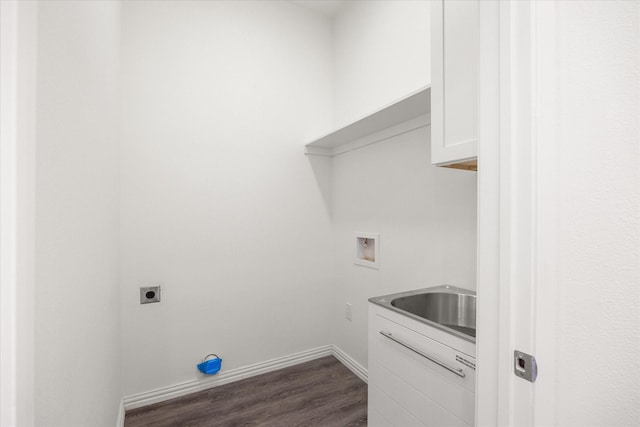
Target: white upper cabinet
x=454, y=89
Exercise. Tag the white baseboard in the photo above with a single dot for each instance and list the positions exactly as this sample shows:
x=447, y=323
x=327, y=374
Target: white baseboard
x=350, y=363
x=121, y=411
x=182, y=389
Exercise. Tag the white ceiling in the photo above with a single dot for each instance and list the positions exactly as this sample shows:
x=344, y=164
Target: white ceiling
x=326, y=7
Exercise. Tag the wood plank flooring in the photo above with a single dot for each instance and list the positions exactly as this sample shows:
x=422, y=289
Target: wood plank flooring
x=322, y=392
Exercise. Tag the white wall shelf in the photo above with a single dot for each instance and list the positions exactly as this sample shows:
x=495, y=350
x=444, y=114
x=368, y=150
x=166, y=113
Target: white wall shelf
x=413, y=106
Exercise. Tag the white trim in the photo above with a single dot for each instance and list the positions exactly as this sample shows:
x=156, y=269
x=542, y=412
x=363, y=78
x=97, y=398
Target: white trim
x=544, y=88
x=224, y=377
x=520, y=221
x=437, y=78
x=359, y=370
x=516, y=286
x=488, y=243
x=18, y=43
x=121, y=412
x=8, y=143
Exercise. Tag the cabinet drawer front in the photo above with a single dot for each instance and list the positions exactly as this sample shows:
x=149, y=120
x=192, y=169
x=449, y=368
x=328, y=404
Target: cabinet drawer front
x=394, y=413
x=375, y=418
x=428, y=412
x=434, y=382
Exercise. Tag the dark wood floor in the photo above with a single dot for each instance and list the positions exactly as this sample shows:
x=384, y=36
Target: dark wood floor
x=322, y=392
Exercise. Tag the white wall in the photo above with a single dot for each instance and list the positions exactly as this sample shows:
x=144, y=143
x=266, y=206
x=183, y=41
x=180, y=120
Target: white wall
x=77, y=326
x=598, y=328
x=426, y=216
x=219, y=204
x=382, y=52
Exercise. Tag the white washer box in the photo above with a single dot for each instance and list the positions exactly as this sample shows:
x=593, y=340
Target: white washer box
x=367, y=250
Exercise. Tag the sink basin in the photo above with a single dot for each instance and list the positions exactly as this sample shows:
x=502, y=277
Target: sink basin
x=456, y=311
x=445, y=307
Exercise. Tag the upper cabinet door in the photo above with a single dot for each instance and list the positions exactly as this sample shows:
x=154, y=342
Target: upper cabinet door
x=454, y=90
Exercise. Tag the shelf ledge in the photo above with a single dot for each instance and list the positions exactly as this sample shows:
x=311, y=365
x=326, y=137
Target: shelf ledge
x=413, y=106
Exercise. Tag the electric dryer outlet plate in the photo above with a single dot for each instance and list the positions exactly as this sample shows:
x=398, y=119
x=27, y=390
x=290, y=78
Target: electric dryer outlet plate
x=149, y=294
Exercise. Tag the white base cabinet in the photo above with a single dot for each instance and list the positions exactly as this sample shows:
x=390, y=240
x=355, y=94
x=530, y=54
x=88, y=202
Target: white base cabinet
x=406, y=388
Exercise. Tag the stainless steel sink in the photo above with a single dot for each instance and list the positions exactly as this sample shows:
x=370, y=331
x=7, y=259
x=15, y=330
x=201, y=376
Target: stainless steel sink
x=445, y=307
